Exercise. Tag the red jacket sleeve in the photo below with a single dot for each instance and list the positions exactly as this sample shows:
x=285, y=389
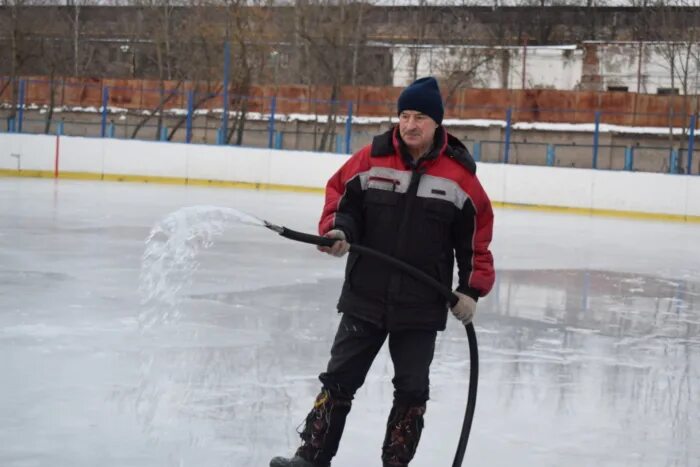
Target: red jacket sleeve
x=344, y=193
x=474, y=259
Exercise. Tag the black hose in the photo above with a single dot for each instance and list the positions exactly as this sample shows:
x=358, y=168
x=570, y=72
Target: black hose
x=444, y=291
x=471, y=396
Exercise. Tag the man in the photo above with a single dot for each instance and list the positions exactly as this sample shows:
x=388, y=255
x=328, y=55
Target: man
x=413, y=193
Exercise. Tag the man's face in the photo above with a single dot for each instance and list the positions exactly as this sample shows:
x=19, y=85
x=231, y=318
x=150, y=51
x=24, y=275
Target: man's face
x=417, y=130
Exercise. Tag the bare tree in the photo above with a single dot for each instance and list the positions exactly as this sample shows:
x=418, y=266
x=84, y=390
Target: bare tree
x=420, y=31
x=51, y=52
x=17, y=32
x=164, y=98
x=246, y=22
x=680, y=54
x=161, y=37
x=236, y=25
x=466, y=68
x=200, y=42
x=73, y=15
x=331, y=42
x=357, y=41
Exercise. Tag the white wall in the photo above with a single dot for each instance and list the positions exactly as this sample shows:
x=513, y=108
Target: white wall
x=27, y=152
x=80, y=155
x=651, y=193
x=551, y=67
x=619, y=65
x=547, y=68
x=558, y=67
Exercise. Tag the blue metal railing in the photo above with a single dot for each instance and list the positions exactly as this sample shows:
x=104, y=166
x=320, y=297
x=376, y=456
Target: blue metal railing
x=550, y=154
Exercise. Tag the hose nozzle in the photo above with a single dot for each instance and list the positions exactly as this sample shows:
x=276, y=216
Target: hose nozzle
x=274, y=227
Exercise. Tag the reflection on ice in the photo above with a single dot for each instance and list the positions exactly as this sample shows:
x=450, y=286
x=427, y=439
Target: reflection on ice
x=610, y=303
x=619, y=350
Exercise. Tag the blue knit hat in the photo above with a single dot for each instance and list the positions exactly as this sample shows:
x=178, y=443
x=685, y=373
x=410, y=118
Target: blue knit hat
x=423, y=95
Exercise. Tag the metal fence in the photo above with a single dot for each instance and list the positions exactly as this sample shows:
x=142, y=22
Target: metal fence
x=194, y=116
x=629, y=158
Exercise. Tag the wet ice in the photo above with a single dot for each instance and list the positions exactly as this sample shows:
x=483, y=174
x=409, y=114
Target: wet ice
x=589, y=342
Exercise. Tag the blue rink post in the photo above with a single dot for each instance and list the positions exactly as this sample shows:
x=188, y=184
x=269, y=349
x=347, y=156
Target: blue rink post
x=348, y=130
x=271, y=123
x=506, y=150
x=691, y=145
x=103, y=121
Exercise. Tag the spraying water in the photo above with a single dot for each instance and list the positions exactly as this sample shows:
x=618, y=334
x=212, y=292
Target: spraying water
x=170, y=258
x=175, y=383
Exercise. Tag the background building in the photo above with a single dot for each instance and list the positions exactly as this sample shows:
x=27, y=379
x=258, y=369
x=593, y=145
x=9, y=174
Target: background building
x=643, y=67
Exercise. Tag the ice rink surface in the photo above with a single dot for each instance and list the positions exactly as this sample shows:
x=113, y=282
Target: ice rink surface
x=589, y=341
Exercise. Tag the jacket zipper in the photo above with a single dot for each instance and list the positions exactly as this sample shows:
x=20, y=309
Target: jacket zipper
x=411, y=195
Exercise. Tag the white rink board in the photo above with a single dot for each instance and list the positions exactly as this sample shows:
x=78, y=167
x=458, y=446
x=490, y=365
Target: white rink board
x=129, y=157
x=224, y=163
x=81, y=155
x=547, y=186
x=33, y=152
x=637, y=191
x=634, y=192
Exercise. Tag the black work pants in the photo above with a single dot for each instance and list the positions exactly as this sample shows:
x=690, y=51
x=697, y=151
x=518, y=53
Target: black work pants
x=357, y=343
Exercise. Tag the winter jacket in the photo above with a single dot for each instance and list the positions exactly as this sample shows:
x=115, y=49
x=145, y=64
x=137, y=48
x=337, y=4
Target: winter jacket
x=426, y=214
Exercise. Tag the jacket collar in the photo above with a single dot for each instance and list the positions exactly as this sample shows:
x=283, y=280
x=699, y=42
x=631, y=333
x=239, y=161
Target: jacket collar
x=389, y=143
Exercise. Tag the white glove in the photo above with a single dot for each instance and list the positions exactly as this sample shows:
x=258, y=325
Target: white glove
x=340, y=247
x=465, y=308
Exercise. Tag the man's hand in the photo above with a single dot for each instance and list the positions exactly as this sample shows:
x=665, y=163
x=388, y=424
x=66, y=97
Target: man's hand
x=340, y=247
x=465, y=308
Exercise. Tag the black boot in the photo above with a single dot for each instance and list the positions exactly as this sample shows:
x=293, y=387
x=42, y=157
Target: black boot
x=402, y=434
x=321, y=435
